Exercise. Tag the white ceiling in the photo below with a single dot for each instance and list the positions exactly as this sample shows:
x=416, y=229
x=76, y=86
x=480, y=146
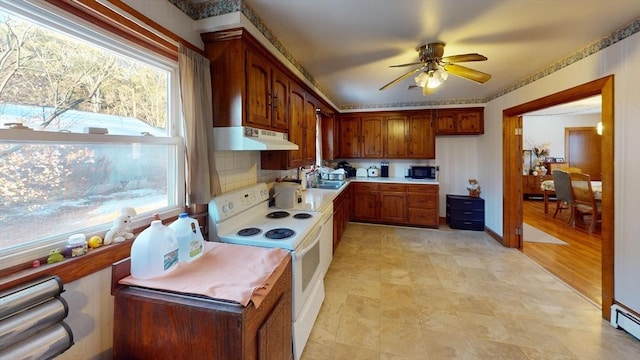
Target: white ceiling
x=348, y=45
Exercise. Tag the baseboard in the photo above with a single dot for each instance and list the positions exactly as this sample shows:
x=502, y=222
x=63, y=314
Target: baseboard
x=494, y=235
x=626, y=320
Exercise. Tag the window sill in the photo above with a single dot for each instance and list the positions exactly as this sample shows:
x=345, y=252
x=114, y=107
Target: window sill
x=69, y=269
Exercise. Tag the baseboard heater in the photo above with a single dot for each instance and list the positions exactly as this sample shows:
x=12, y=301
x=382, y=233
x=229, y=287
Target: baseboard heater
x=31, y=325
x=621, y=318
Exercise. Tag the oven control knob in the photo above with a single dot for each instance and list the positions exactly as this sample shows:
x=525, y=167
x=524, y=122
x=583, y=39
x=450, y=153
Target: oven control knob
x=230, y=206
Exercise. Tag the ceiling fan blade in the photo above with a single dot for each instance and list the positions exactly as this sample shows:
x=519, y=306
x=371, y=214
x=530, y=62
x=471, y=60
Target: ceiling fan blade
x=428, y=91
x=467, y=73
x=409, y=64
x=464, y=58
x=418, y=69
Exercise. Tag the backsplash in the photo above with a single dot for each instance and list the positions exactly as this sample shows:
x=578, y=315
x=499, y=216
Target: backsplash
x=397, y=167
x=237, y=169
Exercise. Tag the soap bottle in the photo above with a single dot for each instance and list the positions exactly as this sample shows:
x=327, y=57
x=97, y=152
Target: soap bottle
x=190, y=240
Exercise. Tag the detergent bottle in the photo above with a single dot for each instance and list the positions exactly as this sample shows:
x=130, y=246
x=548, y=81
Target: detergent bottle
x=154, y=252
x=190, y=240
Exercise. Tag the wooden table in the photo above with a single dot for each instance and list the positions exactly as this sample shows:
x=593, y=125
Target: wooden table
x=548, y=188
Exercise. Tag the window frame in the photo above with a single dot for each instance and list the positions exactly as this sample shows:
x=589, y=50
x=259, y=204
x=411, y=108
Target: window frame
x=59, y=19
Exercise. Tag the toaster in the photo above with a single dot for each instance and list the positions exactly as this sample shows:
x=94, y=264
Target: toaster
x=361, y=172
x=373, y=172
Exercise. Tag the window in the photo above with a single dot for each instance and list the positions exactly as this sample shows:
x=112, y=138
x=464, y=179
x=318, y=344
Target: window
x=62, y=86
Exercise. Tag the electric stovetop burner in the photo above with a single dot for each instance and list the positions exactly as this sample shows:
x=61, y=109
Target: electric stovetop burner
x=249, y=231
x=302, y=216
x=277, y=214
x=279, y=233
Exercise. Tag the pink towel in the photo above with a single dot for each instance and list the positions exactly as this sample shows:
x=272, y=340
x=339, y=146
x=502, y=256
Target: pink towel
x=225, y=272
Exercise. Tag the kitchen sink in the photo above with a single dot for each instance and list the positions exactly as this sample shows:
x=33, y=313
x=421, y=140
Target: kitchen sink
x=328, y=184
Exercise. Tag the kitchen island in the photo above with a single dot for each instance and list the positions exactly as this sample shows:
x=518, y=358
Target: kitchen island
x=154, y=323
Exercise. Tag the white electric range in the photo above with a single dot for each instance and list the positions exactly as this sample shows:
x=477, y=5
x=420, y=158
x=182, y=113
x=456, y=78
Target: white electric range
x=244, y=217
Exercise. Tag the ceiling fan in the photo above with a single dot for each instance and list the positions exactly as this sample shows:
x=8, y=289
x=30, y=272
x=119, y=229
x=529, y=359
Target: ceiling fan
x=433, y=68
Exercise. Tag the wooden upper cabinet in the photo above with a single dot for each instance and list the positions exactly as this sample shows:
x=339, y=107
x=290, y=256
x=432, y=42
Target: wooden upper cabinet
x=421, y=144
x=258, y=97
x=349, y=137
x=393, y=135
x=372, y=132
x=445, y=122
x=302, y=132
x=464, y=121
x=249, y=89
x=396, y=141
x=279, y=100
x=297, y=125
x=310, y=129
x=361, y=136
x=329, y=136
x=410, y=136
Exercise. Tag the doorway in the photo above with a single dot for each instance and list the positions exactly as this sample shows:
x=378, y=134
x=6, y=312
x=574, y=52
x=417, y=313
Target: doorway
x=512, y=165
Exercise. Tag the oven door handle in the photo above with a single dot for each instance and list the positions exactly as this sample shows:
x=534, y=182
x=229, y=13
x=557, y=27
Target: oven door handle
x=312, y=239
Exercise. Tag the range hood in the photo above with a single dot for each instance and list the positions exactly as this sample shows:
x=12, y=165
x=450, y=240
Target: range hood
x=248, y=138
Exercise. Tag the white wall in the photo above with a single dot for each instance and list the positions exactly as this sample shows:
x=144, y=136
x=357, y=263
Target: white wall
x=620, y=59
x=537, y=130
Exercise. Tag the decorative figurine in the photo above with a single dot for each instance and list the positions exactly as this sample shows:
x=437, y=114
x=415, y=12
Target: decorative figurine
x=474, y=188
x=121, y=229
x=55, y=256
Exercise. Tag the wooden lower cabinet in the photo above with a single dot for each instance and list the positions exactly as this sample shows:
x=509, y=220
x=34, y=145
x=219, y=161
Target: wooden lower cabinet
x=391, y=203
x=341, y=215
x=366, y=206
x=422, y=205
x=150, y=324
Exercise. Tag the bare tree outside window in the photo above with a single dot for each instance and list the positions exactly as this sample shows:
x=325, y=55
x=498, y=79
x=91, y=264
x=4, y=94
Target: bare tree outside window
x=53, y=83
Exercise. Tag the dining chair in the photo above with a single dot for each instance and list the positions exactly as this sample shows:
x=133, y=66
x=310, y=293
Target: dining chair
x=584, y=203
x=564, y=197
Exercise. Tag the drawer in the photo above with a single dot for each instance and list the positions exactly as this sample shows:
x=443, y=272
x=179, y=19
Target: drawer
x=422, y=201
x=359, y=186
x=465, y=203
x=423, y=217
x=423, y=189
x=466, y=214
x=466, y=225
x=392, y=187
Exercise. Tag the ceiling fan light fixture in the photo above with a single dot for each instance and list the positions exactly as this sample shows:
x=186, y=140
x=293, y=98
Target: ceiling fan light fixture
x=436, y=78
x=421, y=79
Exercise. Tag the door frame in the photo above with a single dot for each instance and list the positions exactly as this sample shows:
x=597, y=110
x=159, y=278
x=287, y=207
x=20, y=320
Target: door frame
x=512, y=165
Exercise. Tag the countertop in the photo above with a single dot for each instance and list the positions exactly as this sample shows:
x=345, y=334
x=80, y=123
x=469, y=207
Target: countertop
x=321, y=199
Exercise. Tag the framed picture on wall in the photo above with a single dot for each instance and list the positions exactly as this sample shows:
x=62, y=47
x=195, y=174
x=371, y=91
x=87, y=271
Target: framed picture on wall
x=549, y=159
x=559, y=159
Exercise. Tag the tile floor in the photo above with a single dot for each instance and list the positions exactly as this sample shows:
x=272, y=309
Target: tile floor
x=405, y=293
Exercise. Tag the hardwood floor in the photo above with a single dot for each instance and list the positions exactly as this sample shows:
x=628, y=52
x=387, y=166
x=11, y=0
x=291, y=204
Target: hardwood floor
x=578, y=264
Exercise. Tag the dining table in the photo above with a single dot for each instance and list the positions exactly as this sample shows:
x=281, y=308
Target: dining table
x=548, y=188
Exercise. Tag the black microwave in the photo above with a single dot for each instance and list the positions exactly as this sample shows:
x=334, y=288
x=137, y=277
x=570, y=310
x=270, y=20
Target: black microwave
x=422, y=172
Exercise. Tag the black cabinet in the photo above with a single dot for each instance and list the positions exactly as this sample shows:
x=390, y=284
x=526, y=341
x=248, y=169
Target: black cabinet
x=465, y=212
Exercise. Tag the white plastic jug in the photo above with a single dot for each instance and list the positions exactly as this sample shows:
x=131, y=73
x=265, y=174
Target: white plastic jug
x=190, y=240
x=154, y=252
